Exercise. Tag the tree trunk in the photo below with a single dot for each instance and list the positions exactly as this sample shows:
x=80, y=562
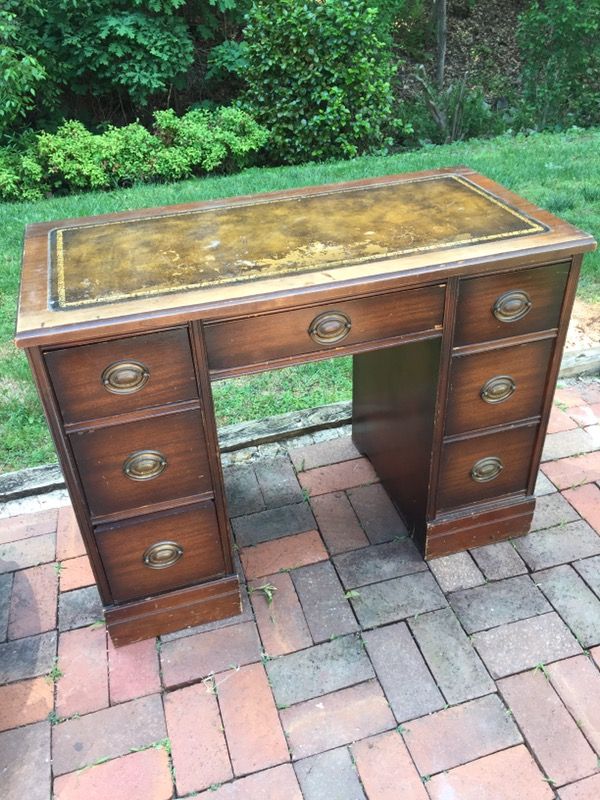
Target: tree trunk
x=441, y=35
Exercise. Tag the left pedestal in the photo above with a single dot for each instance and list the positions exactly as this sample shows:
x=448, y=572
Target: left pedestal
x=134, y=428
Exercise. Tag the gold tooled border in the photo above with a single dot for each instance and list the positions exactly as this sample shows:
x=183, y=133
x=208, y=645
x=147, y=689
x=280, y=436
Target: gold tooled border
x=533, y=227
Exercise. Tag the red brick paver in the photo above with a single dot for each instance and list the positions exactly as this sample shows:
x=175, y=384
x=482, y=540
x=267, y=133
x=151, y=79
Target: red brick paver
x=324, y=453
x=586, y=501
x=109, y=733
x=553, y=735
x=278, y=783
x=26, y=525
x=560, y=421
x=282, y=554
x=69, y=543
x=75, y=573
x=83, y=686
x=577, y=681
x=252, y=727
x=33, y=603
x=585, y=415
x=460, y=734
x=132, y=670
x=386, y=769
x=25, y=702
x=509, y=775
x=587, y=789
x=344, y=475
x=194, y=657
x=573, y=471
x=281, y=621
x=338, y=522
x=138, y=776
x=197, y=741
x=336, y=719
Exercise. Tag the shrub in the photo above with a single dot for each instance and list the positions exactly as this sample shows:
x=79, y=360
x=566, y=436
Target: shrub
x=319, y=77
x=559, y=42
x=20, y=72
x=75, y=159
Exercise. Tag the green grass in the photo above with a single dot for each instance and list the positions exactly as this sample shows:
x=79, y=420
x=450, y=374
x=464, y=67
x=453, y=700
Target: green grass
x=559, y=171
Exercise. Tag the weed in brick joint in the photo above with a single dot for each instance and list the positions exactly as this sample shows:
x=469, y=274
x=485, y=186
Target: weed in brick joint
x=352, y=594
x=542, y=668
x=99, y=623
x=267, y=589
x=425, y=778
x=58, y=567
x=55, y=672
x=306, y=494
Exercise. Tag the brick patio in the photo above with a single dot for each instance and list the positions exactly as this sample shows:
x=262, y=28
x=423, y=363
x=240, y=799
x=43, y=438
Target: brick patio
x=370, y=674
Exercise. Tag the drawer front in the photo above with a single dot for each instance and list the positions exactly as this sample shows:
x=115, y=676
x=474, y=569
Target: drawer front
x=139, y=463
x=165, y=552
x=497, y=386
x=270, y=337
x=107, y=378
x=485, y=467
x=510, y=304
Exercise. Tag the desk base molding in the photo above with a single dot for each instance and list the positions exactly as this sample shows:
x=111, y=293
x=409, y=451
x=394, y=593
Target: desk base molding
x=186, y=608
x=448, y=536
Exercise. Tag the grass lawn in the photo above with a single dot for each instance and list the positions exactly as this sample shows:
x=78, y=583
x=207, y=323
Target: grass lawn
x=559, y=171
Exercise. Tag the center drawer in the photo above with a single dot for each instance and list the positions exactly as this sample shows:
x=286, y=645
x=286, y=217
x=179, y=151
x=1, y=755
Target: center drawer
x=124, y=467
x=160, y=553
x=274, y=337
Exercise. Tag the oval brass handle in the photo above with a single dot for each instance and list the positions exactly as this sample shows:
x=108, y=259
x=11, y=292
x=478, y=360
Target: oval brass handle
x=144, y=465
x=330, y=327
x=497, y=389
x=486, y=469
x=512, y=306
x=125, y=377
x=162, y=555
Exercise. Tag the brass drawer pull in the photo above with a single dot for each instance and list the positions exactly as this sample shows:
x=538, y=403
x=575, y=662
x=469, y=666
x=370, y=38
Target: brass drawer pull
x=497, y=389
x=162, y=555
x=330, y=327
x=486, y=469
x=144, y=465
x=512, y=306
x=125, y=377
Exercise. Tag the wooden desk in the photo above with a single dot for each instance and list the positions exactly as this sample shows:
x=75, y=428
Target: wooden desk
x=452, y=294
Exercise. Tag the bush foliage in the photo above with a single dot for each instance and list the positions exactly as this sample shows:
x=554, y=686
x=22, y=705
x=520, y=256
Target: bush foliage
x=319, y=76
x=75, y=159
x=327, y=78
x=560, y=49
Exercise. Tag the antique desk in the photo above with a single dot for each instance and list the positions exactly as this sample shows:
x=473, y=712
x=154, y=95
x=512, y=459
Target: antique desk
x=452, y=294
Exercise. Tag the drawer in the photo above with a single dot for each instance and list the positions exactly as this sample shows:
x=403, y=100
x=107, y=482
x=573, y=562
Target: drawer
x=497, y=386
x=510, y=304
x=136, y=464
x=155, y=554
x=99, y=380
x=485, y=466
x=269, y=337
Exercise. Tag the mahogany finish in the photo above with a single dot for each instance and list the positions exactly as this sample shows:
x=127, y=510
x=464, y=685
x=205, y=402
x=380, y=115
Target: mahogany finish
x=273, y=337
x=459, y=485
x=77, y=372
x=452, y=294
x=101, y=455
x=544, y=287
x=497, y=386
x=193, y=530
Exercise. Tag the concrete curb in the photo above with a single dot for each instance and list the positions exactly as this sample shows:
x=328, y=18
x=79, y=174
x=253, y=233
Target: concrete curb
x=47, y=478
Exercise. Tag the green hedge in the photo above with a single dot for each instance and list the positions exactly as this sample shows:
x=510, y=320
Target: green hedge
x=74, y=159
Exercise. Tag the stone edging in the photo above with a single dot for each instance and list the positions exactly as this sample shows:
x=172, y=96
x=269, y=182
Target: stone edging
x=47, y=478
